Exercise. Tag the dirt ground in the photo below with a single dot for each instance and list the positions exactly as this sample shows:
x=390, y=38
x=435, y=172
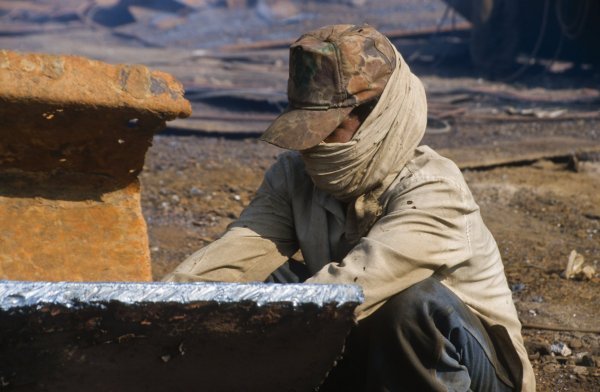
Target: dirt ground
x=539, y=212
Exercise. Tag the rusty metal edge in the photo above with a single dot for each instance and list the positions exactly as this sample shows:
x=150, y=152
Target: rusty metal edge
x=76, y=81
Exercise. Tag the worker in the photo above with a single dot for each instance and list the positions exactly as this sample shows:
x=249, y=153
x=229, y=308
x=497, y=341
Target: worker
x=363, y=203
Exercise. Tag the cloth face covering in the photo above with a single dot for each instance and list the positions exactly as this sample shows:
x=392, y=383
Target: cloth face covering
x=359, y=171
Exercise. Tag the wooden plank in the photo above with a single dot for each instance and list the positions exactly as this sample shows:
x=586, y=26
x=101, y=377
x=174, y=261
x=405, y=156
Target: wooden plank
x=519, y=150
x=391, y=34
x=223, y=127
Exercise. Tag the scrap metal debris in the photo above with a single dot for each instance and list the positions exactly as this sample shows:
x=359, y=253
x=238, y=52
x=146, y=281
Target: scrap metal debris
x=535, y=112
x=560, y=348
x=577, y=268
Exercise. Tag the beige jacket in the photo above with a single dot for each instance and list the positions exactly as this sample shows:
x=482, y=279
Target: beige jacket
x=431, y=226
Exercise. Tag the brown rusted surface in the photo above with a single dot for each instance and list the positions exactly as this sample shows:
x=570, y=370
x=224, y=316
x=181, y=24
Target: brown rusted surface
x=57, y=229
x=75, y=114
x=73, y=135
x=80, y=82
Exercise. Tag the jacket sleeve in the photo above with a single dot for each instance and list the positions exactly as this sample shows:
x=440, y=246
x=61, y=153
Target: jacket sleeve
x=425, y=230
x=253, y=246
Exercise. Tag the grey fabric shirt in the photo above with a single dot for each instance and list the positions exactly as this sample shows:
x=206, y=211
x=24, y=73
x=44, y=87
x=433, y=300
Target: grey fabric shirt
x=431, y=226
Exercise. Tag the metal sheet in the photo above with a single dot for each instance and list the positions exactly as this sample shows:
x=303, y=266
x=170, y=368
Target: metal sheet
x=168, y=336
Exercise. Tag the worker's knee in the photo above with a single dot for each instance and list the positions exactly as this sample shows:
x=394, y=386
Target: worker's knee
x=419, y=303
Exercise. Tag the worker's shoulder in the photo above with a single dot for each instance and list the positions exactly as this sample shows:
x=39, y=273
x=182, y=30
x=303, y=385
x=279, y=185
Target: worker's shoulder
x=427, y=172
x=427, y=163
x=435, y=181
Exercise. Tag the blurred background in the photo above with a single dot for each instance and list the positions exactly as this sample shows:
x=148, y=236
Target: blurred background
x=231, y=55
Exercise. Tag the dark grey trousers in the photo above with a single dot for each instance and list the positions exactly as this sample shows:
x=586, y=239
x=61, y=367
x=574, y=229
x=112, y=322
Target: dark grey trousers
x=422, y=339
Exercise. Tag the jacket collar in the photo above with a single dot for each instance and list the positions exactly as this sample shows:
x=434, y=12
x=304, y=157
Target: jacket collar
x=329, y=203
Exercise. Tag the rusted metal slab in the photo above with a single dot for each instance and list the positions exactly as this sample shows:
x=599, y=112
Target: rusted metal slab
x=74, y=114
x=171, y=337
x=73, y=135
x=79, y=82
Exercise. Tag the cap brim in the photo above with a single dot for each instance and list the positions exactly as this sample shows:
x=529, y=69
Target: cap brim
x=299, y=129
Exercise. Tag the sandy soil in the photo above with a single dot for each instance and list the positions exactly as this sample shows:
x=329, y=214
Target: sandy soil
x=194, y=186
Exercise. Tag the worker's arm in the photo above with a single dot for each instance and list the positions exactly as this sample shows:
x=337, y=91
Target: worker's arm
x=254, y=245
x=423, y=231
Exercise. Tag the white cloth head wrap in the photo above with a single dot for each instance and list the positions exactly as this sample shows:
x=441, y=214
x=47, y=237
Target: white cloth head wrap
x=360, y=170
x=381, y=146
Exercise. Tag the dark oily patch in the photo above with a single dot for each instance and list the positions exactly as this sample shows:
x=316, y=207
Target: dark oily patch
x=135, y=79
x=159, y=86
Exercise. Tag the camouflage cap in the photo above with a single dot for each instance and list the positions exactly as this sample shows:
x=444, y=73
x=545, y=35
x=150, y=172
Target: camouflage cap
x=332, y=70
